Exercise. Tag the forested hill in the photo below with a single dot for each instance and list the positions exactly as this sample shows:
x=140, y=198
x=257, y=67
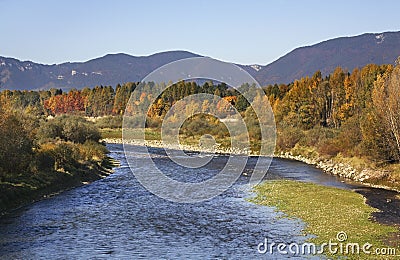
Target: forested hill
x=111, y=69
x=345, y=52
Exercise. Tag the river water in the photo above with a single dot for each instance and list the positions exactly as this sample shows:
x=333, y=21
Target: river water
x=116, y=217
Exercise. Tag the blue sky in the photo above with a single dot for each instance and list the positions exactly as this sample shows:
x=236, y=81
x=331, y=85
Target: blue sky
x=246, y=32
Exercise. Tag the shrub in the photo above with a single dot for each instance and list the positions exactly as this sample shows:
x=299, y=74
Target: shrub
x=317, y=135
x=153, y=122
x=78, y=130
x=44, y=158
x=201, y=124
x=328, y=147
x=92, y=151
x=64, y=155
x=350, y=137
x=252, y=124
x=288, y=137
x=133, y=121
x=109, y=122
x=49, y=130
x=68, y=128
x=16, y=145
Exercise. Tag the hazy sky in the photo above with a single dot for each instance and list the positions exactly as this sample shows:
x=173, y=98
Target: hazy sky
x=246, y=32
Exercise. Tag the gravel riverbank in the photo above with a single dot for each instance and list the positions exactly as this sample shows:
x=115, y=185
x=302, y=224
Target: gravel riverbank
x=329, y=166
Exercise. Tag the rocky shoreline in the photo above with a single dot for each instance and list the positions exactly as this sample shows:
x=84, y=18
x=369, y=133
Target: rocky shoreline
x=343, y=170
x=339, y=169
x=329, y=166
x=159, y=144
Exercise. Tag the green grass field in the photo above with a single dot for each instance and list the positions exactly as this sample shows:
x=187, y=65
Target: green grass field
x=326, y=211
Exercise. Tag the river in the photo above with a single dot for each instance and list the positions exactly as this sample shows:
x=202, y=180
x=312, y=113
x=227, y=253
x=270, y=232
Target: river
x=116, y=217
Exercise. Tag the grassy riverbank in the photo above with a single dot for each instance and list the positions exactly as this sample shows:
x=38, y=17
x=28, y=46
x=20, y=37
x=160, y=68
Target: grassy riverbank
x=327, y=211
x=43, y=184
x=40, y=157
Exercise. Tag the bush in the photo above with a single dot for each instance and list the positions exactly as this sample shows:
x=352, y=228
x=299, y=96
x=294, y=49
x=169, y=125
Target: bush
x=134, y=121
x=288, y=137
x=78, y=130
x=92, y=151
x=16, y=145
x=45, y=159
x=68, y=128
x=201, y=124
x=328, y=147
x=109, y=122
x=350, y=137
x=153, y=122
x=317, y=135
x=49, y=130
x=253, y=124
x=64, y=155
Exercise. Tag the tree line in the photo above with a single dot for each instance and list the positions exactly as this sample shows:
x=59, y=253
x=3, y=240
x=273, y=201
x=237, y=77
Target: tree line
x=352, y=113
x=355, y=114
x=104, y=100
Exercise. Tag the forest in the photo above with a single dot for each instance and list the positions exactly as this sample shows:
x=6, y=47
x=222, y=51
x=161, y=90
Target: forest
x=350, y=114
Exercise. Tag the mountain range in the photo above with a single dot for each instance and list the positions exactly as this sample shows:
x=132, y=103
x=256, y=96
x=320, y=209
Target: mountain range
x=111, y=69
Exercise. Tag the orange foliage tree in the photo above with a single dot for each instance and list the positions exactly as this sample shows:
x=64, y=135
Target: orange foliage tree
x=72, y=102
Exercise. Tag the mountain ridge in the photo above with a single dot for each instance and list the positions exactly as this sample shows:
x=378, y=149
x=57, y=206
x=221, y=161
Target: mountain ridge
x=325, y=56
x=348, y=52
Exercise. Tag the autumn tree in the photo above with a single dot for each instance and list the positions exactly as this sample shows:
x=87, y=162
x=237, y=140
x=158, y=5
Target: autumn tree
x=73, y=102
x=122, y=95
x=16, y=145
x=386, y=110
x=336, y=82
